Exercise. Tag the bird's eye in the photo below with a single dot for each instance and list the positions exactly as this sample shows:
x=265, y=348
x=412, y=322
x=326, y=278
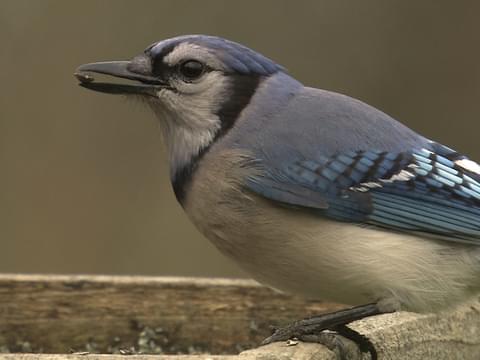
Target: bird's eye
x=191, y=69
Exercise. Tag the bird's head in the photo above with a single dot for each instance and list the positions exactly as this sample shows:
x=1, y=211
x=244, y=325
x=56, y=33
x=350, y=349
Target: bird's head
x=197, y=85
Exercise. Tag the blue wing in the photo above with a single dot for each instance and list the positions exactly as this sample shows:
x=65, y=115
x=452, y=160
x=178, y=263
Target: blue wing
x=435, y=191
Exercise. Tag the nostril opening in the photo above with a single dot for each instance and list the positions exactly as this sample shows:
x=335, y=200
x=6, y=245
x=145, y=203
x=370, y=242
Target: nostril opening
x=140, y=64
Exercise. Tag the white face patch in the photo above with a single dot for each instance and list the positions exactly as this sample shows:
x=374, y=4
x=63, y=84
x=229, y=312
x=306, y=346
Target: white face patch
x=188, y=109
x=469, y=165
x=188, y=117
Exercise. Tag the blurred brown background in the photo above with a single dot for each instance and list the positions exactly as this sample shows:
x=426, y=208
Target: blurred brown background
x=83, y=182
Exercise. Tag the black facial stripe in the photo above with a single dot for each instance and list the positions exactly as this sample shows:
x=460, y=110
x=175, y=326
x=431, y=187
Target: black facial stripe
x=159, y=68
x=244, y=87
x=184, y=175
x=158, y=57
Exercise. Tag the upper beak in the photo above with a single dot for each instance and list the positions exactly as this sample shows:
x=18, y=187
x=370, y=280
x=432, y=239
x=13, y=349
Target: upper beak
x=138, y=69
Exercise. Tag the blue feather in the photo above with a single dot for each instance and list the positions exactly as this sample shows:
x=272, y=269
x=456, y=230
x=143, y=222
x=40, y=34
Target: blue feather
x=425, y=190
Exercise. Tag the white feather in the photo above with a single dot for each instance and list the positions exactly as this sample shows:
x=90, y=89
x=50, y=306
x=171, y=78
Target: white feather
x=403, y=175
x=469, y=165
x=188, y=116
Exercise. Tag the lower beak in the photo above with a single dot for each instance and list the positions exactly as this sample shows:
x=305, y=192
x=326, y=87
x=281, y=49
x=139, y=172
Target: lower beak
x=138, y=70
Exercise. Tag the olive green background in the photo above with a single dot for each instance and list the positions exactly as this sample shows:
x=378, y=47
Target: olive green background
x=83, y=178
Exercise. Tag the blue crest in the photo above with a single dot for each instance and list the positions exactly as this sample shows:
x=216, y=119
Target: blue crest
x=237, y=58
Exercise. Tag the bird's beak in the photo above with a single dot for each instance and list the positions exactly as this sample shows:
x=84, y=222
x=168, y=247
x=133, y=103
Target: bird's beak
x=138, y=69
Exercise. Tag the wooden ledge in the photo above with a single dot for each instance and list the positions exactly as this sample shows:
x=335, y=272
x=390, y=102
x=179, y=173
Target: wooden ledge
x=193, y=316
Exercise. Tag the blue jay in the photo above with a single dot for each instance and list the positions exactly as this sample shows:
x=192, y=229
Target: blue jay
x=310, y=191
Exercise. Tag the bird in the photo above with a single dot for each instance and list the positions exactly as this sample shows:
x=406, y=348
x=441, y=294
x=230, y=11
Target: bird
x=311, y=192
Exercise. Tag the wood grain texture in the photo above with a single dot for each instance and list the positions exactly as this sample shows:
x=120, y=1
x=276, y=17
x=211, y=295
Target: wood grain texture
x=53, y=314
x=218, y=316
x=277, y=351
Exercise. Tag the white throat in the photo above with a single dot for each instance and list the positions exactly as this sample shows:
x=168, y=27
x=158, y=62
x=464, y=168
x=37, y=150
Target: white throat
x=188, y=117
x=187, y=129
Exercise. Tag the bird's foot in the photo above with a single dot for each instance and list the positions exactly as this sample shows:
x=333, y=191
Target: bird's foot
x=330, y=330
x=344, y=342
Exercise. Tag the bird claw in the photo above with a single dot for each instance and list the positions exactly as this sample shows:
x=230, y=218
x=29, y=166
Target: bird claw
x=278, y=335
x=343, y=341
x=343, y=348
x=292, y=331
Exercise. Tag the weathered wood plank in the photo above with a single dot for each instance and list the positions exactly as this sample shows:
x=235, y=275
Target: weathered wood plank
x=113, y=357
x=277, y=351
x=60, y=312
x=54, y=314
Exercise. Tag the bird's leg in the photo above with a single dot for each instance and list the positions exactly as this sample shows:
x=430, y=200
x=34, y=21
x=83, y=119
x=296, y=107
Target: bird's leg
x=310, y=329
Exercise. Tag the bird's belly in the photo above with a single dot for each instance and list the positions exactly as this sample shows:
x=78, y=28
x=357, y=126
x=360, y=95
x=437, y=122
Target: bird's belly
x=293, y=271
x=326, y=260
x=287, y=258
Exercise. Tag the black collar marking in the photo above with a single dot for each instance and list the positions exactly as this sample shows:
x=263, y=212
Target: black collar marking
x=244, y=87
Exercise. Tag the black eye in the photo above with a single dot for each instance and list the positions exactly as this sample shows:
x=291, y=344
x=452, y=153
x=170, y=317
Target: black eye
x=191, y=69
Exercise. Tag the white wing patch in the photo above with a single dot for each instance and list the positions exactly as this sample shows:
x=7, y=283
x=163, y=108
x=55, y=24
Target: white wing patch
x=403, y=175
x=469, y=165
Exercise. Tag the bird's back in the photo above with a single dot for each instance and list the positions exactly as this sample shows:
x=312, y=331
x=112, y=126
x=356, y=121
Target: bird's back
x=285, y=119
